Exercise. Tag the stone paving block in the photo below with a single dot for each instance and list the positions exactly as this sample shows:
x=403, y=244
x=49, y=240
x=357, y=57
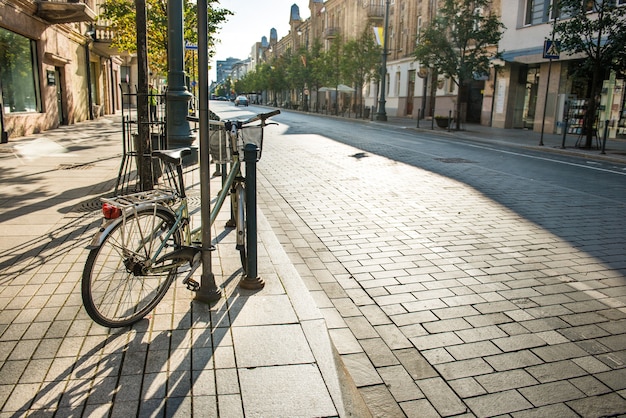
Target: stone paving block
x=435, y=340
x=412, y=318
x=615, y=379
x=501, y=381
x=556, y=410
x=519, y=342
x=360, y=327
x=400, y=383
x=559, y=370
x=393, y=336
x=446, y=325
x=442, y=398
x=585, y=318
x=590, y=386
x=463, y=368
x=420, y=408
x=473, y=350
x=548, y=311
x=282, y=344
x=375, y=315
x=513, y=328
x=500, y=403
x=467, y=387
x=605, y=405
x=456, y=312
x=380, y=401
x=514, y=360
x=361, y=369
x=415, y=364
x=378, y=352
x=616, y=359
x=346, y=307
x=344, y=341
x=614, y=342
x=559, y=352
x=551, y=393
x=480, y=334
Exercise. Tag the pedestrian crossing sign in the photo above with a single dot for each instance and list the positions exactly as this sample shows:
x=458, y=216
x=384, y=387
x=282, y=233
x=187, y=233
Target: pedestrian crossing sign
x=551, y=50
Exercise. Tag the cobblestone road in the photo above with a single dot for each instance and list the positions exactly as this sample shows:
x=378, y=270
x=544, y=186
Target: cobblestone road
x=450, y=288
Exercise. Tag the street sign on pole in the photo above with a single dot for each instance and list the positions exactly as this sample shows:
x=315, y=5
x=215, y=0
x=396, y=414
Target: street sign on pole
x=551, y=50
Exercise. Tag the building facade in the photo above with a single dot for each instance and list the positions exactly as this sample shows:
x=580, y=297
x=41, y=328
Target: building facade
x=55, y=66
x=523, y=90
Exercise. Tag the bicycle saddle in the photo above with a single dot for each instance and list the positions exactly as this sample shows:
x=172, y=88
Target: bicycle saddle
x=173, y=156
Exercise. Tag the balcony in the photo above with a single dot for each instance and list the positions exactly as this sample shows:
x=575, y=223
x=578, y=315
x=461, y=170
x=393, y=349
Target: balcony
x=64, y=11
x=375, y=11
x=330, y=33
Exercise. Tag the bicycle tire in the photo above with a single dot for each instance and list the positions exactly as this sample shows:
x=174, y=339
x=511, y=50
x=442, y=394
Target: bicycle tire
x=115, y=287
x=240, y=214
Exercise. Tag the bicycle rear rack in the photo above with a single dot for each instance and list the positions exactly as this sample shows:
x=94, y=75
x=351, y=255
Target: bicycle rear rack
x=149, y=196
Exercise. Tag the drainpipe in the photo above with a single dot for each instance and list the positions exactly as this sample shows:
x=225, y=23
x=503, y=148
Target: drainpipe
x=88, y=66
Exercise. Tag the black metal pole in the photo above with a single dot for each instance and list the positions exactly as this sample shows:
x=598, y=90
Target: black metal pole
x=208, y=291
x=251, y=280
x=382, y=113
x=606, y=133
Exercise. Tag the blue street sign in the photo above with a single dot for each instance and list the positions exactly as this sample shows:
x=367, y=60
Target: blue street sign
x=552, y=50
x=191, y=46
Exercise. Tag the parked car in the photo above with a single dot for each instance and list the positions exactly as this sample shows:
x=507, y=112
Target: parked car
x=241, y=101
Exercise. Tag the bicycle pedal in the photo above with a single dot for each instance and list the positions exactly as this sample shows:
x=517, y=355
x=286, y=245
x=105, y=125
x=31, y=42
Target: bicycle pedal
x=192, y=285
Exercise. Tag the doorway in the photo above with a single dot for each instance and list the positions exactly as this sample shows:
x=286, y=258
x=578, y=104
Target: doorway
x=59, y=90
x=530, y=97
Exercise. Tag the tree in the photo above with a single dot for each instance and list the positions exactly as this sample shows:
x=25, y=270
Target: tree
x=121, y=14
x=596, y=29
x=361, y=61
x=460, y=41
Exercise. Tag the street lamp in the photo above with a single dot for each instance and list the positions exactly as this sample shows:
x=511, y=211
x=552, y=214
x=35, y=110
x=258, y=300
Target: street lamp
x=382, y=114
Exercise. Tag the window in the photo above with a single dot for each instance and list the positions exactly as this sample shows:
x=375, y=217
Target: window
x=419, y=29
x=398, y=79
x=19, y=77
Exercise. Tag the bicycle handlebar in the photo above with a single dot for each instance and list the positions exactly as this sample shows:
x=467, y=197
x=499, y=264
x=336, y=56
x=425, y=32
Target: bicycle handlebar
x=261, y=116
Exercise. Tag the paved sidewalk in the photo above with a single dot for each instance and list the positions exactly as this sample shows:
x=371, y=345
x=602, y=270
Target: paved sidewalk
x=264, y=353
x=299, y=347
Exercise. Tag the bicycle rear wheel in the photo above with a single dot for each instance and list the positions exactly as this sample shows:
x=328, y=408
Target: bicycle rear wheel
x=119, y=284
x=240, y=213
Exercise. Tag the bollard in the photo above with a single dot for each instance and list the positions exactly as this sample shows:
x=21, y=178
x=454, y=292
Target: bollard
x=251, y=280
x=419, y=115
x=449, y=120
x=606, y=133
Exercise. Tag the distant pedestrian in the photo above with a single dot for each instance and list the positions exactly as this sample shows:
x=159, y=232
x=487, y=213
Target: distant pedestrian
x=152, y=100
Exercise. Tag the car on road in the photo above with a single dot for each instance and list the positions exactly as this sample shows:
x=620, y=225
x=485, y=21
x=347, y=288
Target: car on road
x=241, y=101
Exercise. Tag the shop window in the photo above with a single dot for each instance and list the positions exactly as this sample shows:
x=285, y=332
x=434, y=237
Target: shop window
x=18, y=73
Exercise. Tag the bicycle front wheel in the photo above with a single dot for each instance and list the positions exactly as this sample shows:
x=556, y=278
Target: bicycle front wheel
x=120, y=284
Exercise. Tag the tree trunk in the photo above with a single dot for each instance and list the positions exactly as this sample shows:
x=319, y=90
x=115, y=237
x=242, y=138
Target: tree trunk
x=592, y=106
x=143, y=127
x=457, y=117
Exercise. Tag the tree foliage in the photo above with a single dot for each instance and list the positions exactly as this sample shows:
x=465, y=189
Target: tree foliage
x=460, y=41
x=121, y=14
x=361, y=60
x=596, y=30
x=351, y=62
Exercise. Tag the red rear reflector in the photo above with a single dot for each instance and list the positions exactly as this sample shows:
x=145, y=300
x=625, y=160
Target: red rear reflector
x=111, y=212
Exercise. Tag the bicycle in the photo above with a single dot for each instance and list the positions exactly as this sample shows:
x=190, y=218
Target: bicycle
x=146, y=237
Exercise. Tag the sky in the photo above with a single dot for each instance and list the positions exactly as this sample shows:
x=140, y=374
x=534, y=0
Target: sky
x=251, y=20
